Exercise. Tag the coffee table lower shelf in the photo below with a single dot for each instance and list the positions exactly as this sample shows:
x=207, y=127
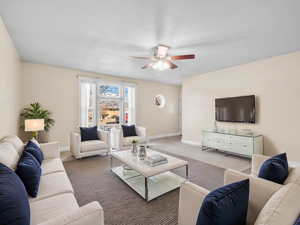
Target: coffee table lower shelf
x=157, y=185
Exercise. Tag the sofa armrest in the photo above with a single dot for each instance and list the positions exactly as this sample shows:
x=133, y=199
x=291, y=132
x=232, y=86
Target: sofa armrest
x=190, y=201
x=117, y=139
x=143, y=132
x=261, y=191
x=50, y=150
x=91, y=213
x=257, y=161
x=75, y=143
x=104, y=136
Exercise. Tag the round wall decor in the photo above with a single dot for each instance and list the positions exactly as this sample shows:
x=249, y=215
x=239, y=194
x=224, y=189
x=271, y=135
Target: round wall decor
x=159, y=101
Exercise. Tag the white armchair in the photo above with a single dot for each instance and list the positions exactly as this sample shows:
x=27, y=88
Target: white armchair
x=89, y=148
x=119, y=142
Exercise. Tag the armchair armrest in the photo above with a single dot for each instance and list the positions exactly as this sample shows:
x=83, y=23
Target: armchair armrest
x=104, y=136
x=190, y=201
x=91, y=213
x=261, y=191
x=143, y=132
x=50, y=150
x=116, y=139
x=257, y=161
x=75, y=143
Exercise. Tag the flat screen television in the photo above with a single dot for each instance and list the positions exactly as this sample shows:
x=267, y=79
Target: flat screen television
x=235, y=109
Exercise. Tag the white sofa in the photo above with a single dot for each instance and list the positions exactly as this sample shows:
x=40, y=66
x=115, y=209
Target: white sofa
x=89, y=148
x=269, y=203
x=119, y=142
x=55, y=203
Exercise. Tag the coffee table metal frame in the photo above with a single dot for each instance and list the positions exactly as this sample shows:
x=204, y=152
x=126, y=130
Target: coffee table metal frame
x=135, y=175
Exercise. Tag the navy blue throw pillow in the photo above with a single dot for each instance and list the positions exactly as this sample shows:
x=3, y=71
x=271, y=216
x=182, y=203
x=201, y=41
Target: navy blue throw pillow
x=89, y=133
x=34, y=150
x=297, y=222
x=275, y=169
x=14, y=205
x=128, y=130
x=227, y=205
x=29, y=171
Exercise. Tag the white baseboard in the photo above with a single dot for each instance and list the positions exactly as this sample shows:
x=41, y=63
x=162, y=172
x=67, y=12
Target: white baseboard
x=191, y=142
x=64, y=149
x=164, y=135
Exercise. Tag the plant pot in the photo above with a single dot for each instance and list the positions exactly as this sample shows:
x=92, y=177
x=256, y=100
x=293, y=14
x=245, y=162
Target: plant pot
x=133, y=149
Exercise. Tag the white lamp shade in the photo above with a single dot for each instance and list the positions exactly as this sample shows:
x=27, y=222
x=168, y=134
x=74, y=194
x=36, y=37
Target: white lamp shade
x=34, y=125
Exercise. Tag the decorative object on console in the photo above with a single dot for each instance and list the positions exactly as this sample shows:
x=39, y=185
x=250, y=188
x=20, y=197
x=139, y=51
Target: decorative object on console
x=226, y=205
x=14, y=207
x=142, y=152
x=29, y=171
x=35, y=112
x=128, y=131
x=34, y=150
x=247, y=131
x=275, y=169
x=133, y=147
x=89, y=133
x=34, y=125
x=159, y=101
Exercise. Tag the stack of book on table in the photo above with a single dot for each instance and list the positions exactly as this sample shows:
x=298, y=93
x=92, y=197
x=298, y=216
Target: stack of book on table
x=154, y=160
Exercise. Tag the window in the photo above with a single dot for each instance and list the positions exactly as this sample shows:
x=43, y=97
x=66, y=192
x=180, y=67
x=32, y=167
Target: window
x=106, y=103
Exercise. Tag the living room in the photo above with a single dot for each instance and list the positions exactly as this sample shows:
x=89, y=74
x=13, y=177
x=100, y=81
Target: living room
x=271, y=72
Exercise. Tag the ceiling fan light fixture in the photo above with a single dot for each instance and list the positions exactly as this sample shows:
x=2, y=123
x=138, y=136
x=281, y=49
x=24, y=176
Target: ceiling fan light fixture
x=160, y=65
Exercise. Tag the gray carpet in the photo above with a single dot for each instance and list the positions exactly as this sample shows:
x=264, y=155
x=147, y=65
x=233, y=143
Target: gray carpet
x=92, y=181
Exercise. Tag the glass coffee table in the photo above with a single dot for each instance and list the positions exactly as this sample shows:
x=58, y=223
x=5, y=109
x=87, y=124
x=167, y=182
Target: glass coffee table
x=149, y=182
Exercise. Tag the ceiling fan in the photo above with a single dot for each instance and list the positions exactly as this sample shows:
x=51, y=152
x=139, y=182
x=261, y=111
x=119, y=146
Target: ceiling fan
x=161, y=60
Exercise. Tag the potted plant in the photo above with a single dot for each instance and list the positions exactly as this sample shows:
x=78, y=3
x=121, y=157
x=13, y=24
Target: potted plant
x=35, y=112
x=133, y=147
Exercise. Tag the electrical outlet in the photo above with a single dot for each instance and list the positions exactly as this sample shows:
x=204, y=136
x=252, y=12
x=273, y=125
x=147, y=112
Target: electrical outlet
x=283, y=149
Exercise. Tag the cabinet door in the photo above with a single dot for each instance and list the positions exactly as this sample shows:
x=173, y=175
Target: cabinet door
x=240, y=145
x=213, y=140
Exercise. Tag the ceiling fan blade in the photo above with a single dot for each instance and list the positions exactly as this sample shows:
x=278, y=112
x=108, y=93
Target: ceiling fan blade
x=172, y=65
x=134, y=57
x=180, y=57
x=145, y=67
x=162, y=51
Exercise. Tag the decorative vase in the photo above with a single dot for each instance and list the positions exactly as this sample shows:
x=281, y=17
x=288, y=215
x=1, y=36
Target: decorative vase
x=142, y=152
x=133, y=149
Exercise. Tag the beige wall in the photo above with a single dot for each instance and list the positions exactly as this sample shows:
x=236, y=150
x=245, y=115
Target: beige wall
x=10, y=85
x=276, y=84
x=56, y=90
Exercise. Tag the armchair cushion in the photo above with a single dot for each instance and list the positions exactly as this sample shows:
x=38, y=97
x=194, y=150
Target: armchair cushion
x=34, y=150
x=14, y=207
x=227, y=205
x=89, y=133
x=93, y=145
x=29, y=171
x=275, y=169
x=128, y=130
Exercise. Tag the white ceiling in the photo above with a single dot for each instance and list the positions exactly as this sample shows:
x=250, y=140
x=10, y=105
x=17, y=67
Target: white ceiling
x=99, y=35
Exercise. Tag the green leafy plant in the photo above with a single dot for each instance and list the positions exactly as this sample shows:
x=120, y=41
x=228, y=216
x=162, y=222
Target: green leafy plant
x=35, y=112
x=134, y=141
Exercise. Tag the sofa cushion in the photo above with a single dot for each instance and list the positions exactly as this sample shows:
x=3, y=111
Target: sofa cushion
x=89, y=133
x=51, y=185
x=275, y=169
x=34, y=150
x=227, y=205
x=127, y=140
x=93, y=145
x=52, y=207
x=52, y=166
x=14, y=206
x=298, y=221
x=293, y=176
x=8, y=155
x=128, y=130
x=29, y=171
x=17, y=143
x=282, y=208
x=35, y=142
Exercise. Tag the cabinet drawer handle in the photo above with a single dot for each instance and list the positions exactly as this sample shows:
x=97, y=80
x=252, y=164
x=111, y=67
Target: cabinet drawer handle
x=218, y=141
x=229, y=143
x=208, y=139
x=244, y=145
